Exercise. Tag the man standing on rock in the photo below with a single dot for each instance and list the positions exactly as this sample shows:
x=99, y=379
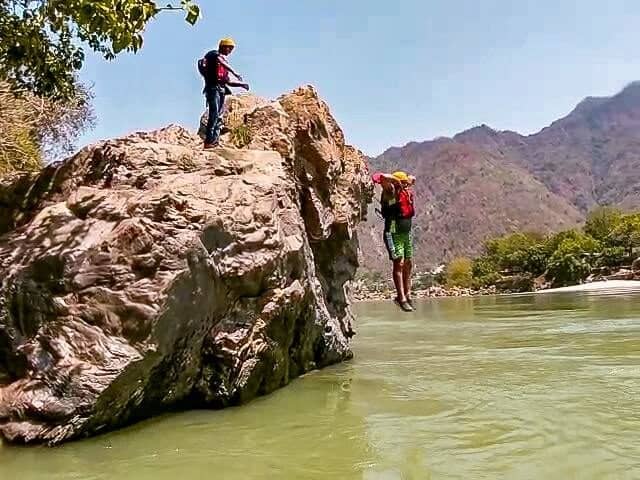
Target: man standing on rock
x=397, y=209
x=215, y=69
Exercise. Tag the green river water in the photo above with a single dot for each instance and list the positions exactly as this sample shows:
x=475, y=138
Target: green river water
x=523, y=387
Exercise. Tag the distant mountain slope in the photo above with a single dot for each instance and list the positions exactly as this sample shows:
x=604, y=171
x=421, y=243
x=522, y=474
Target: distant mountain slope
x=484, y=182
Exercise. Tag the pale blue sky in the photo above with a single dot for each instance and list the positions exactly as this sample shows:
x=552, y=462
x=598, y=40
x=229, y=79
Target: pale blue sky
x=392, y=71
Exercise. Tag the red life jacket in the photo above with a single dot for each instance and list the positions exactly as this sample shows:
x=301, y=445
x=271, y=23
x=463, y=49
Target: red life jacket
x=222, y=74
x=397, y=206
x=405, y=204
x=212, y=70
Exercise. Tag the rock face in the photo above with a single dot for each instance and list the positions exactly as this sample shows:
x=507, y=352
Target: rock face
x=145, y=274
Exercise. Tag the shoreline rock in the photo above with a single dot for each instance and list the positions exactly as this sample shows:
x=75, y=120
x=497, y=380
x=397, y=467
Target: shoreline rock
x=145, y=274
x=359, y=293
x=431, y=292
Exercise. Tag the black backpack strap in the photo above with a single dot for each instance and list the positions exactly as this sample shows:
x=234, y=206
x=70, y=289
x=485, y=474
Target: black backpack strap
x=211, y=67
x=388, y=208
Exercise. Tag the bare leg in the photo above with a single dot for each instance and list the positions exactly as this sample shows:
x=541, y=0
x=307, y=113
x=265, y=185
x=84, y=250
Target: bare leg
x=398, y=268
x=406, y=277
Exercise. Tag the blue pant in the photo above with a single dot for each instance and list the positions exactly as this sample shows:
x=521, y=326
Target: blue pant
x=215, y=102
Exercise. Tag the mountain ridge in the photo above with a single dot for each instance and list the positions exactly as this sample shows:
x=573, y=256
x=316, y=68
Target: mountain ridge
x=589, y=157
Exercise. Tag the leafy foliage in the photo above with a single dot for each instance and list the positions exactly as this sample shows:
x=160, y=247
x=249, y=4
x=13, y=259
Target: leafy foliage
x=241, y=135
x=607, y=240
x=514, y=253
x=568, y=269
x=511, y=251
x=486, y=280
x=573, y=241
x=627, y=233
x=612, y=257
x=535, y=259
x=504, y=246
x=483, y=266
x=570, y=263
x=601, y=222
x=41, y=40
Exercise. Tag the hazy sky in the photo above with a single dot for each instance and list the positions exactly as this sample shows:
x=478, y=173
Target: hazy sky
x=392, y=71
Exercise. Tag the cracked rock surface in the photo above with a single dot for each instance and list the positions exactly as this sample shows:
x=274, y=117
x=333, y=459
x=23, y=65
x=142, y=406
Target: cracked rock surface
x=145, y=274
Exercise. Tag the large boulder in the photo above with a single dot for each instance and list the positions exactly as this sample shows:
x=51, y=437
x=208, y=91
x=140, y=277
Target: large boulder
x=235, y=109
x=145, y=274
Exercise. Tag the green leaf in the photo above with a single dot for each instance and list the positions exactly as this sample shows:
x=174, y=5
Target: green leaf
x=193, y=14
x=136, y=13
x=41, y=40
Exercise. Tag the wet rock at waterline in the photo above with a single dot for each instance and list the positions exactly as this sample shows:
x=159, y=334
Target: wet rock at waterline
x=145, y=274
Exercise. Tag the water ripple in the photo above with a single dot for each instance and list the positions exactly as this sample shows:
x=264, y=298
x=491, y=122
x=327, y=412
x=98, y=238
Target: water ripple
x=522, y=387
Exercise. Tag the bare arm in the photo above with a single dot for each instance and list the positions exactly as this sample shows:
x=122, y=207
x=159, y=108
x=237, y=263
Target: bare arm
x=226, y=65
x=238, y=84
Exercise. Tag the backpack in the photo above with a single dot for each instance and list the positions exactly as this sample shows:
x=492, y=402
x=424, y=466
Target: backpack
x=405, y=204
x=202, y=67
x=396, y=206
x=209, y=72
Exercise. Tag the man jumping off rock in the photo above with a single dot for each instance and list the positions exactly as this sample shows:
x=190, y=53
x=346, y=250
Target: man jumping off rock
x=397, y=209
x=215, y=70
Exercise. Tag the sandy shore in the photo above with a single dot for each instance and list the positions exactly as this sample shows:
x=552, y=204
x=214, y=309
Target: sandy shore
x=605, y=286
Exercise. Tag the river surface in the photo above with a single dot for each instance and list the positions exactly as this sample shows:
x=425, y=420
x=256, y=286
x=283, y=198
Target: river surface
x=524, y=387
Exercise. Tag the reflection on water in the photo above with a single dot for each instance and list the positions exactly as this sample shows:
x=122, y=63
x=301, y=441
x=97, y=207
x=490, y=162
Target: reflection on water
x=522, y=387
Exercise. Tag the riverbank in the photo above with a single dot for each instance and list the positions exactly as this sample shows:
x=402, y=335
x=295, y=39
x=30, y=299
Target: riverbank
x=600, y=286
x=364, y=295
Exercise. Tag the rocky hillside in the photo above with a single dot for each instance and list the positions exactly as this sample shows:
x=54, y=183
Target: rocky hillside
x=483, y=182
x=145, y=274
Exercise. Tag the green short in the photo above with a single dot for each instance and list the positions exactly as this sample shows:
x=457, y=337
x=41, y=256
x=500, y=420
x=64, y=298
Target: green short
x=399, y=245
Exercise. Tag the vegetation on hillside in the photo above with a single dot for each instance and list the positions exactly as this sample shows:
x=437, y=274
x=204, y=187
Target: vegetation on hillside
x=607, y=241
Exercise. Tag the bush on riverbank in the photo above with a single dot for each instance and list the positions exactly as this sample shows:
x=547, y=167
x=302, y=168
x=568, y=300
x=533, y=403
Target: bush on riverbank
x=460, y=273
x=608, y=240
